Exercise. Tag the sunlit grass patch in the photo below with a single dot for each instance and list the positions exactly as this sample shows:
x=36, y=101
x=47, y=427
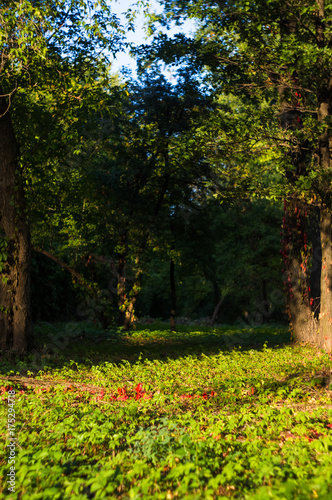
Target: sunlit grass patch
x=173, y=415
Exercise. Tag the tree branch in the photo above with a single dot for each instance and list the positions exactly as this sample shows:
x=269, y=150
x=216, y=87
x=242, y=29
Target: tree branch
x=72, y=271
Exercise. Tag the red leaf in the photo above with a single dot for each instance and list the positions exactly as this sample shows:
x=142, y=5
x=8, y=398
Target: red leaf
x=139, y=388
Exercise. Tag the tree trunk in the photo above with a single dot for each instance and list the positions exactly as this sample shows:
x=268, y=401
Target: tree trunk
x=216, y=311
x=299, y=300
x=121, y=289
x=325, y=318
x=173, y=295
x=129, y=314
x=316, y=267
x=324, y=154
x=296, y=277
x=129, y=307
x=126, y=301
x=303, y=323
x=15, y=314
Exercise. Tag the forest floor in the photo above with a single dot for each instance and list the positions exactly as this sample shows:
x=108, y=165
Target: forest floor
x=201, y=413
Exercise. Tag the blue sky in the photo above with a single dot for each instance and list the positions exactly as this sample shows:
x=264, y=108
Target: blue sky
x=139, y=36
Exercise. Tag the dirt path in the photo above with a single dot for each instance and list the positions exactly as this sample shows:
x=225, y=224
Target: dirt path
x=32, y=382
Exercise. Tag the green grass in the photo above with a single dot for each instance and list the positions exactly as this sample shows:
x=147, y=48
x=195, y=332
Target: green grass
x=198, y=414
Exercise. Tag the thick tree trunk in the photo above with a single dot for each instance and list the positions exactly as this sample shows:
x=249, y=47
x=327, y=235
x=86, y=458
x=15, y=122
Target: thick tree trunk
x=173, y=295
x=303, y=323
x=324, y=154
x=15, y=317
x=315, y=271
x=325, y=318
x=298, y=298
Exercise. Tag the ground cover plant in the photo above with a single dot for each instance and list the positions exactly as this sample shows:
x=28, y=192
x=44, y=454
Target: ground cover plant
x=199, y=413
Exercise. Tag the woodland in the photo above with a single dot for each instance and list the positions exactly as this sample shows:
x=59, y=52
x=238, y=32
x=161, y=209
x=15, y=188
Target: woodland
x=206, y=196
x=166, y=251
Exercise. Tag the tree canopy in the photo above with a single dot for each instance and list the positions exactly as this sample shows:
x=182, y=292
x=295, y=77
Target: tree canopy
x=275, y=57
x=123, y=182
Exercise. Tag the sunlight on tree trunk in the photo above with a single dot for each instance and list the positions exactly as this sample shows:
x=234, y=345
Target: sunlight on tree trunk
x=15, y=321
x=324, y=152
x=325, y=321
x=303, y=323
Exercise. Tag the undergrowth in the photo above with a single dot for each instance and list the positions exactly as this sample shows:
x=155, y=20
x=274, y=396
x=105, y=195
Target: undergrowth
x=197, y=414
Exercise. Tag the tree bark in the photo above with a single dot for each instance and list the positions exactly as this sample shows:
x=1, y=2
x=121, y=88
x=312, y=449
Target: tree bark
x=129, y=310
x=173, y=295
x=129, y=314
x=298, y=299
x=15, y=314
x=324, y=154
x=121, y=289
x=325, y=318
x=302, y=321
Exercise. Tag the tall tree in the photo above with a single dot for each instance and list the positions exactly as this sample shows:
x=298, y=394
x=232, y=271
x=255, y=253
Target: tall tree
x=56, y=47
x=278, y=53
x=15, y=320
x=144, y=171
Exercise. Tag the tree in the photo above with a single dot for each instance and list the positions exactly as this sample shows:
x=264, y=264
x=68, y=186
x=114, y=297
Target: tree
x=227, y=263
x=55, y=48
x=142, y=174
x=15, y=321
x=277, y=53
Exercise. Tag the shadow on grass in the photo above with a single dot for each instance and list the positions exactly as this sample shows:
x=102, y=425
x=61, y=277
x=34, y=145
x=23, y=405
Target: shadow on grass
x=58, y=345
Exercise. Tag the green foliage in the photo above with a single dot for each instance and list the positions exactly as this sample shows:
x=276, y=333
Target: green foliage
x=125, y=174
x=53, y=294
x=3, y=253
x=106, y=200
x=228, y=250
x=269, y=59
x=183, y=415
x=55, y=61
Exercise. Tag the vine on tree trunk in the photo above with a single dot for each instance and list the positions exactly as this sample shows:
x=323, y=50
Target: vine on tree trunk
x=296, y=253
